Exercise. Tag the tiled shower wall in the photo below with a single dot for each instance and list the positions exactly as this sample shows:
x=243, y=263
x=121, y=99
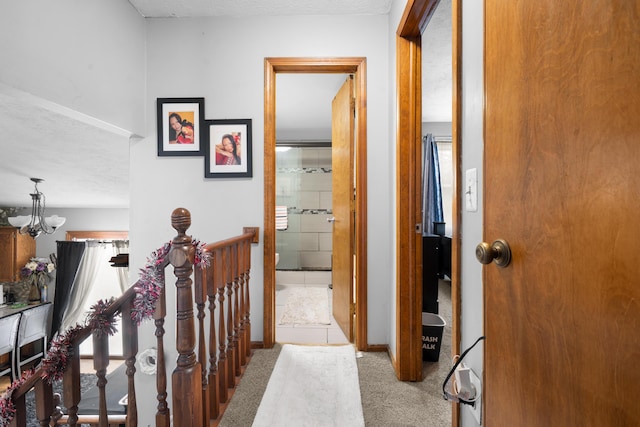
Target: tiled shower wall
x=303, y=184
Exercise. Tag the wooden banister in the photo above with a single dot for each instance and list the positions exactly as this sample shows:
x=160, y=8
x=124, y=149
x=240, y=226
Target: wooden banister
x=212, y=352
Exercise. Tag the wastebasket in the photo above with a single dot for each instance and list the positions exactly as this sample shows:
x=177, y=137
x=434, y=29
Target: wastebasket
x=432, y=328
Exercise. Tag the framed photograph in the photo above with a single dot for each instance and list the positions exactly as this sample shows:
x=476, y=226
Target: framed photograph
x=180, y=126
x=228, y=149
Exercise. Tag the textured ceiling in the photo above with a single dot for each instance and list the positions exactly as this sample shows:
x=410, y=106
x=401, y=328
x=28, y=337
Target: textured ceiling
x=304, y=100
x=436, y=66
x=195, y=8
x=89, y=163
x=83, y=164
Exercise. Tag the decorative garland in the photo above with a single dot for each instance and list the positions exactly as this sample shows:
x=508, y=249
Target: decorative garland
x=7, y=408
x=147, y=292
x=55, y=362
x=151, y=279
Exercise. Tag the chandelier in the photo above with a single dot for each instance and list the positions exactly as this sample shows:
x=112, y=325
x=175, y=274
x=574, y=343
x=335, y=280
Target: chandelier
x=36, y=223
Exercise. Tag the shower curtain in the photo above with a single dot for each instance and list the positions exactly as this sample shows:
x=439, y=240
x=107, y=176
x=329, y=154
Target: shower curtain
x=431, y=186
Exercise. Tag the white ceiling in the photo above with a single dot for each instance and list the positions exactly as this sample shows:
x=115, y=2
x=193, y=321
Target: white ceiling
x=77, y=173
x=84, y=162
x=195, y=8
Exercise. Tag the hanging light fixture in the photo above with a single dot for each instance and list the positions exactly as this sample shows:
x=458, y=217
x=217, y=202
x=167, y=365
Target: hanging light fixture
x=36, y=223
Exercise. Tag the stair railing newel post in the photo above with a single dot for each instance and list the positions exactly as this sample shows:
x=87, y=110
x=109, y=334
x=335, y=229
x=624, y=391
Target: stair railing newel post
x=187, y=376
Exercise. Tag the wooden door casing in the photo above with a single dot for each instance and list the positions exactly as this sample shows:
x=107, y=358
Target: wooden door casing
x=340, y=65
x=562, y=101
x=408, y=355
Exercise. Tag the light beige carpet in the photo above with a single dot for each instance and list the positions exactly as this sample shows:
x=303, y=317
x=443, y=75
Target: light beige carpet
x=385, y=400
x=314, y=386
x=306, y=305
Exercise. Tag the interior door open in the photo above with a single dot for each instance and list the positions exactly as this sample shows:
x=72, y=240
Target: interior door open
x=342, y=143
x=561, y=186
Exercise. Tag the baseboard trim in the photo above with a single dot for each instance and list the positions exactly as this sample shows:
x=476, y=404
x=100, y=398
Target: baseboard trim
x=377, y=348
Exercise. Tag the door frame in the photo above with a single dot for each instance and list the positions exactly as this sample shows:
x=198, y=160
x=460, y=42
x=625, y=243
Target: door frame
x=335, y=65
x=415, y=18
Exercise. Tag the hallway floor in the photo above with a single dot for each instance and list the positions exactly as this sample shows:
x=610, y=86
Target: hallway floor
x=304, y=334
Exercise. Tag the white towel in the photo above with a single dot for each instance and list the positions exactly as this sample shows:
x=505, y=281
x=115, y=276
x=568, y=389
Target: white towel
x=282, y=222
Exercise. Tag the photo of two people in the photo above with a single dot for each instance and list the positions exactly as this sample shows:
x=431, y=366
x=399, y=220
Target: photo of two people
x=179, y=126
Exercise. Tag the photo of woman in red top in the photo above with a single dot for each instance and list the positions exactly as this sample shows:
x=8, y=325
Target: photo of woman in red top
x=228, y=151
x=182, y=128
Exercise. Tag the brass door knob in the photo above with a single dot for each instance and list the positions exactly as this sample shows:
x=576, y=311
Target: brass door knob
x=497, y=251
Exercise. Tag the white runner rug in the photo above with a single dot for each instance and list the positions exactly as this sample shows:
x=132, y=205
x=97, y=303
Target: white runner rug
x=312, y=386
x=306, y=306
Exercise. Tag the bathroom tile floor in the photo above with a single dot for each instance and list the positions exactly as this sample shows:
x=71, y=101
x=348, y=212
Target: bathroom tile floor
x=305, y=334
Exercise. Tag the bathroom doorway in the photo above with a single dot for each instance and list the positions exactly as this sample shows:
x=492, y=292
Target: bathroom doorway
x=305, y=217
x=344, y=66
x=304, y=288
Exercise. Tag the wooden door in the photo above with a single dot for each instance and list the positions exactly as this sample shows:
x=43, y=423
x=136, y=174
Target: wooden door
x=561, y=186
x=342, y=131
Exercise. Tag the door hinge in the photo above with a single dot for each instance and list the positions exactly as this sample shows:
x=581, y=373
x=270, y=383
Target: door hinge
x=419, y=228
x=353, y=309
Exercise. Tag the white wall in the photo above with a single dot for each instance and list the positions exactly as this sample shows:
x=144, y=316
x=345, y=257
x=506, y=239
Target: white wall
x=84, y=55
x=222, y=59
x=395, y=14
x=472, y=325
x=437, y=128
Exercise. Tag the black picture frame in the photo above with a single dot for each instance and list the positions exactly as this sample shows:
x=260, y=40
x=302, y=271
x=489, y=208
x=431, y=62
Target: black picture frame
x=189, y=112
x=220, y=163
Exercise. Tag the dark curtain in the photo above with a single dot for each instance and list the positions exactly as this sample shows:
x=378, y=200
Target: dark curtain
x=431, y=186
x=69, y=257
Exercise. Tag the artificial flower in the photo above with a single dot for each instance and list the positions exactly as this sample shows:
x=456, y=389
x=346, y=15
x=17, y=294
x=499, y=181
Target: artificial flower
x=38, y=269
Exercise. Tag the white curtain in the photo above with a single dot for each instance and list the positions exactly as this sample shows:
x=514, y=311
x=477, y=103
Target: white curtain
x=87, y=272
x=122, y=247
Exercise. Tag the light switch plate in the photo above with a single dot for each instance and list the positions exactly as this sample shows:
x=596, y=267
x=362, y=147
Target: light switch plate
x=471, y=190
